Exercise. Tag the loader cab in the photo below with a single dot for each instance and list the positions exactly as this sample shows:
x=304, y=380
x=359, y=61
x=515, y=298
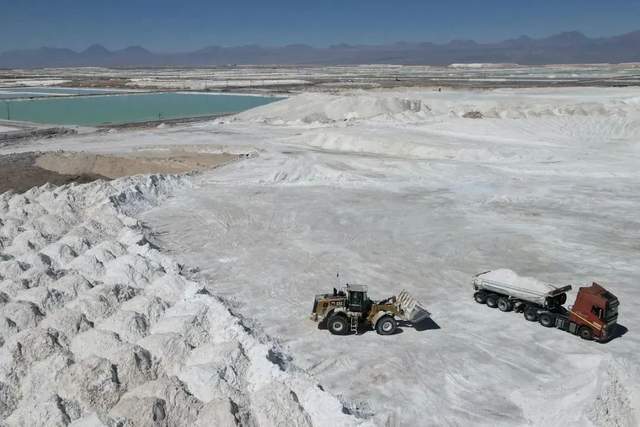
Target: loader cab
x=357, y=298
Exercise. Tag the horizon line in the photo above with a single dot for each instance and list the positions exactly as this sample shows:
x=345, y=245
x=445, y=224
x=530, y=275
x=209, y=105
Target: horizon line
x=329, y=46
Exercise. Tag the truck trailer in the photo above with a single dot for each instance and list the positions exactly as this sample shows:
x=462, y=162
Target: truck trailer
x=594, y=314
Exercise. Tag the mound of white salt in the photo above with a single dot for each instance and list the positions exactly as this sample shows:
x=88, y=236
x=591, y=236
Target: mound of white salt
x=504, y=275
x=326, y=108
x=97, y=327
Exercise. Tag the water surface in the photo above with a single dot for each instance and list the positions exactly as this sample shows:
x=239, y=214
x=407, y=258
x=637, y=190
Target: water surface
x=125, y=108
x=41, y=92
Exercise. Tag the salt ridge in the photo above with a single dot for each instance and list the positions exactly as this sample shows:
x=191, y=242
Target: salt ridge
x=101, y=328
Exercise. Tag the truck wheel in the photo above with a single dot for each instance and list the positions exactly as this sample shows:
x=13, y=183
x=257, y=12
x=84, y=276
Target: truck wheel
x=504, y=304
x=386, y=325
x=585, y=333
x=547, y=320
x=338, y=325
x=480, y=297
x=492, y=301
x=530, y=314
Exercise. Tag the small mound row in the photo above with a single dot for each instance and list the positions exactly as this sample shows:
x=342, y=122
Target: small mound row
x=97, y=327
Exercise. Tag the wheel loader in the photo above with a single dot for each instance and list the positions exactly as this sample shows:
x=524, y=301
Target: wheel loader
x=351, y=311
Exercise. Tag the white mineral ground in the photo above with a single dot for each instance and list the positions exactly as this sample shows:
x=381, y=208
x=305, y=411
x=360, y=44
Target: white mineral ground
x=208, y=324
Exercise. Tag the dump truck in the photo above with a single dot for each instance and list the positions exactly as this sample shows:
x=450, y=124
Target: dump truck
x=350, y=311
x=594, y=313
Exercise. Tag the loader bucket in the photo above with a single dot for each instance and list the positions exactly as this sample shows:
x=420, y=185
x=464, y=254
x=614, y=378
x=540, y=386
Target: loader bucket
x=412, y=310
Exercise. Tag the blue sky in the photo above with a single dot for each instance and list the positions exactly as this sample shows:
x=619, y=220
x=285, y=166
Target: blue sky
x=163, y=25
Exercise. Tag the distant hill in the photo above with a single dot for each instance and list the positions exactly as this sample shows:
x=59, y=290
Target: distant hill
x=564, y=48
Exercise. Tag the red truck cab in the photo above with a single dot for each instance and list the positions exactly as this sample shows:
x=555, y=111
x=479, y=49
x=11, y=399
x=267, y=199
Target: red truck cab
x=594, y=313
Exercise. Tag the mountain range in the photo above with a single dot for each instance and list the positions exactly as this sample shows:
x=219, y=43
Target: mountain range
x=563, y=48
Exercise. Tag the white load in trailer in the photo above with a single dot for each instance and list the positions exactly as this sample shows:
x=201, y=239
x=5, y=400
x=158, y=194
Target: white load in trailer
x=508, y=282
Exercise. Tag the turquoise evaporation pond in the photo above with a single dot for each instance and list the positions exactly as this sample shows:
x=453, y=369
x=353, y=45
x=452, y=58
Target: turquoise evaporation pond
x=130, y=108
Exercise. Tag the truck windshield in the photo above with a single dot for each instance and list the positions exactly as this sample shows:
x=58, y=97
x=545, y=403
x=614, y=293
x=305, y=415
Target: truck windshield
x=612, y=312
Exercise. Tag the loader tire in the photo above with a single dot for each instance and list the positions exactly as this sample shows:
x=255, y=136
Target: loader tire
x=387, y=325
x=585, y=333
x=547, y=320
x=338, y=325
x=504, y=304
x=480, y=297
x=492, y=301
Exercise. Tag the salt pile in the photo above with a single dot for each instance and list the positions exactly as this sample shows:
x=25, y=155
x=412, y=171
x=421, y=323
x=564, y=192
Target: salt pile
x=324, y=108
x=504, y=275
x=97, y=327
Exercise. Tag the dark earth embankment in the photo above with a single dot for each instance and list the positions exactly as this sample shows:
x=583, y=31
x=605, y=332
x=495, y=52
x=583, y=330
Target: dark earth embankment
x=19, y=172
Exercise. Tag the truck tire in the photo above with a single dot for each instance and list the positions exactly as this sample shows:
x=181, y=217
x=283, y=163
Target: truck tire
x=386, y=325
x=492, y=300
x=547, y=320
x=585, y=333
x=480, y=297
x=504, y=304
x=338, y=325
x=531, y=314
